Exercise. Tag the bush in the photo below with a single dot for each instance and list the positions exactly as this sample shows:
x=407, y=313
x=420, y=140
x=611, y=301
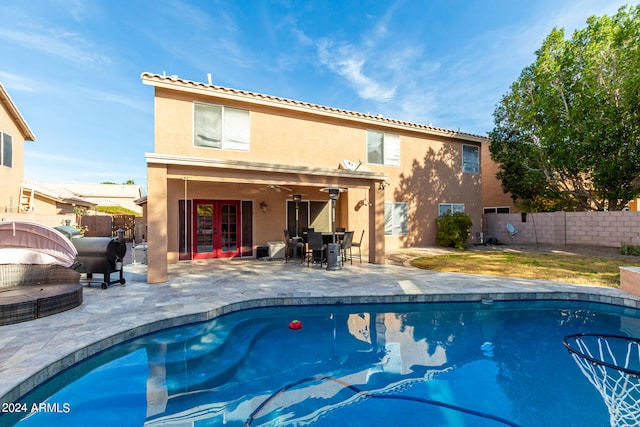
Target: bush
x=454, y=230
x=628, y=249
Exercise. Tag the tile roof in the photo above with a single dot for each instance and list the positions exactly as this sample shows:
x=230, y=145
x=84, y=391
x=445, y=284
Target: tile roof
x=177, y=83
x=57, y=193
x=96, y=190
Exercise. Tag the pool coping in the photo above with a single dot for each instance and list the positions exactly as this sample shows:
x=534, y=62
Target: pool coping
x=382, y=284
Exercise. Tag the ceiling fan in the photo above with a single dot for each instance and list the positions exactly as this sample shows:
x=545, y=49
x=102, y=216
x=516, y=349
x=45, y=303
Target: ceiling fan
x=278, y=188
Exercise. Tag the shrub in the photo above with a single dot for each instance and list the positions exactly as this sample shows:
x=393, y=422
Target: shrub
x=454, y=230
x=628, y=249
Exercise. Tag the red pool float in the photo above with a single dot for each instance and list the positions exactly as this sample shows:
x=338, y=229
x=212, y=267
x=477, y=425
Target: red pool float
x=295, y=325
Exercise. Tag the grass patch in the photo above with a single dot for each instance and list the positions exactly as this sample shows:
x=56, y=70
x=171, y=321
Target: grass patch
x=586, y=270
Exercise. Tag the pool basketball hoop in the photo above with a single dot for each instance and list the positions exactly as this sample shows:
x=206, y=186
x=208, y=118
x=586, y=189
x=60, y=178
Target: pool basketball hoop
x=612, y=364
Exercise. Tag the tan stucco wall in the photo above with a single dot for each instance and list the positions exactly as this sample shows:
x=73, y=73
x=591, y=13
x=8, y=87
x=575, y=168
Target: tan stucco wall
x=45, y=206
x=157, y=223
x=430, y=173
x=298, y=139
x=492, y=194
x=11, y=177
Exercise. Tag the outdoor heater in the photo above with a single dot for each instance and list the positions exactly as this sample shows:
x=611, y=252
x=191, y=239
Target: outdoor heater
x=333, y=249
x=297, y=198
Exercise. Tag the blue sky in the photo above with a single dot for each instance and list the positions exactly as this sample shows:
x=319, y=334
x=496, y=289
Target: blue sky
x=73, y=66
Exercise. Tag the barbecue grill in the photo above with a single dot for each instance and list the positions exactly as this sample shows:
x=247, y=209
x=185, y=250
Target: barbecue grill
x=99, y=254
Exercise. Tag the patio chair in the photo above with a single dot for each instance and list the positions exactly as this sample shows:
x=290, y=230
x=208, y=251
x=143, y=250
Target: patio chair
x=291, y=246
x=346, y=244
x=305, y=233
x=315, y=249
x=357, y=245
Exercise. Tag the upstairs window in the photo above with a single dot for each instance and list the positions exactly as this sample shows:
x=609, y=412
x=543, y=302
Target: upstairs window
x=216, y=126
x=6, y=150
x=470, y=159
x=383, y=148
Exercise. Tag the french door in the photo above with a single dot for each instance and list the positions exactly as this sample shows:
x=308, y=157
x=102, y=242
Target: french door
x=216, y=230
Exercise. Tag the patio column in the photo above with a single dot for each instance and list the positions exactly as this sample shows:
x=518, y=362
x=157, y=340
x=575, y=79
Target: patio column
x=376, y=224
x=157, y=241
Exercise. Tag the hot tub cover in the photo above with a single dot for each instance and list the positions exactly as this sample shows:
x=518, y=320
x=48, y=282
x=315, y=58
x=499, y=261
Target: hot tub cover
x=26, y=242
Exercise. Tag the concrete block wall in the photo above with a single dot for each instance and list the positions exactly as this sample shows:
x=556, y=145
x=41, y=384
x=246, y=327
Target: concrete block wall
x=607, y=229
x=50, y=220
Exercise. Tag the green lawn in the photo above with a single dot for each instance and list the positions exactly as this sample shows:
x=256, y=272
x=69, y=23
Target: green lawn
x=579, y=269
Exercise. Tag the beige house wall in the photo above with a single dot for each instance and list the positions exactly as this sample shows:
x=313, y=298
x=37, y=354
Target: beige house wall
x=315, y=140
x=45, y=219
x=492, y=194
x=11, y=177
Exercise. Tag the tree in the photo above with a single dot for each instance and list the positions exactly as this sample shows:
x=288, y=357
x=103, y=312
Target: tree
x=567, y=133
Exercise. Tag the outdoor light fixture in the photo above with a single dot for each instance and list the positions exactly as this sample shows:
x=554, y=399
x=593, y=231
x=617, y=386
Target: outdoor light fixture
x=264, y=207
x=383, y=185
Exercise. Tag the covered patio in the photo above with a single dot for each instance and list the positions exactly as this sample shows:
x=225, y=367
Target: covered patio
x=209, y=208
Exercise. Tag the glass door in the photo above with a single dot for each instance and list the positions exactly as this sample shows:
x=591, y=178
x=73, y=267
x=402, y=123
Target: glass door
x=228, y=229
x=216, y=232
x=203, y=240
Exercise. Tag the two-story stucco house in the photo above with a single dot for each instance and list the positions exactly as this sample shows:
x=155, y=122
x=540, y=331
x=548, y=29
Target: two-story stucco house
x=14, y=131
x=227, y=163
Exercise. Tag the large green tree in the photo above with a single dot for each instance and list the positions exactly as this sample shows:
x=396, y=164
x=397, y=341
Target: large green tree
x=567, y=133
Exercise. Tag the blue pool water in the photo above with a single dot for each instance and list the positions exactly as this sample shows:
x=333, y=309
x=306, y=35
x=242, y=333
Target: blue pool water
x=449, y=364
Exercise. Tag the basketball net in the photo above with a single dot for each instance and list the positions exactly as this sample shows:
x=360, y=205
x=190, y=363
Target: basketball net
x=611, y=363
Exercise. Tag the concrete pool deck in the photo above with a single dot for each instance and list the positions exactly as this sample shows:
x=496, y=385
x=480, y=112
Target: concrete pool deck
x=34, y=351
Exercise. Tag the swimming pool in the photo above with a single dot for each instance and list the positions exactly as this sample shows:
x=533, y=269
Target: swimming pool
x=451, y=364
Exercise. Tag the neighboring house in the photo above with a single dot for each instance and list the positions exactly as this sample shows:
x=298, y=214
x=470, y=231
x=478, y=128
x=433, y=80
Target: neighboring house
x=59, y=197
x=14, y=131
x=51, y=200
x=634, y=205
x=226, y=164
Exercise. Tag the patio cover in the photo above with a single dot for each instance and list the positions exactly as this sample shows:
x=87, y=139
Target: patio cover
x=25, y=242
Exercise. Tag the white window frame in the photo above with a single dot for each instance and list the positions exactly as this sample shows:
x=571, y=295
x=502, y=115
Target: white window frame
x=470, y=165
x=4, y=138
x=390, y=148
x=396, y=218
x=236, y=138
x=451, y=208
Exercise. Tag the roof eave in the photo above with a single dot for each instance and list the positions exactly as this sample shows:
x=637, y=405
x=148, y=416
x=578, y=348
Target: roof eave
x=27, y=134
x=164, y=159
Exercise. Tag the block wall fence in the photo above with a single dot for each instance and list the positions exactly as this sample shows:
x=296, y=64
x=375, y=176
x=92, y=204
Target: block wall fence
x=606, y=229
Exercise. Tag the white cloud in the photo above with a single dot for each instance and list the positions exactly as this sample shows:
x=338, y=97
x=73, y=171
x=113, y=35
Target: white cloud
x=67, y=45
x=16, y=83
x=127, y=101
x=345, y=60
